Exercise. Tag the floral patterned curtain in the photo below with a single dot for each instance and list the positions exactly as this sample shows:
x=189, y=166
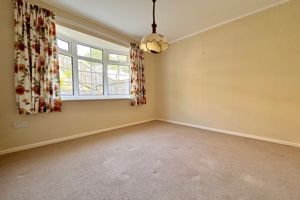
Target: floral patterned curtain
x=138, y=92
x=36, y=59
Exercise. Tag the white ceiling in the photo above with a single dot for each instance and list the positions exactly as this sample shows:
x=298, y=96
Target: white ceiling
x=175, y=18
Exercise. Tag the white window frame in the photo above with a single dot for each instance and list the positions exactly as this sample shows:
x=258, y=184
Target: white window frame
x=105, y=62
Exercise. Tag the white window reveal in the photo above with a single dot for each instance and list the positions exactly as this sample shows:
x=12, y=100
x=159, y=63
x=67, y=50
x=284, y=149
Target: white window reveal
x=91, y=71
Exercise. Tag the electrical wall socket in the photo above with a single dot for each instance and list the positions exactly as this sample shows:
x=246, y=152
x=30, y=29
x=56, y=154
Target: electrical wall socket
x=21, y=124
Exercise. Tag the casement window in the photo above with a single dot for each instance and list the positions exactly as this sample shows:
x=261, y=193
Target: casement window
x=92, y=72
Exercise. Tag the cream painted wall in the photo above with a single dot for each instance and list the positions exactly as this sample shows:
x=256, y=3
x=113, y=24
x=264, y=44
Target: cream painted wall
x=243, y=76
x=78, y=116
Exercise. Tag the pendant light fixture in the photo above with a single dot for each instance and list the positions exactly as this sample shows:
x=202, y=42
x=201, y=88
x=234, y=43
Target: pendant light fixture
x=154, y=42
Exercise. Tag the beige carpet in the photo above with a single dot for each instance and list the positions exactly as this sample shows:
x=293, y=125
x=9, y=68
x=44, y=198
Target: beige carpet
x=153, y=161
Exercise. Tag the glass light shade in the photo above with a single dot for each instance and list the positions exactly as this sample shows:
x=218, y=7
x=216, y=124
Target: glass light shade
x=154, y=43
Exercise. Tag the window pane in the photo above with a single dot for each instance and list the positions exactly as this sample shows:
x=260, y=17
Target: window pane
x=113, y=57
x=122, y=58
x=112, y=69
x=84, y=65
x=97, y=68
x=65, y=61
x=118, y=85
x=124, y=70
x=112, y=79
x=87, y=66
x=97, y=79
x=66, y=76
x=90, y=76
x=118, y=79
x=66, y=88
x=63, y=45
x=98, y=90
x=117, y=58
x=85, y=89
x=96, y=54
x=118, y=89
x=83, y=51
x=89, y=52
x=85, y=77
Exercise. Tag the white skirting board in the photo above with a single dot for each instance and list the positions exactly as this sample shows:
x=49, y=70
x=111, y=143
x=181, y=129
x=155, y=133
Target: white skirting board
x=283, y=142
x=71, y=137
x=53, y=141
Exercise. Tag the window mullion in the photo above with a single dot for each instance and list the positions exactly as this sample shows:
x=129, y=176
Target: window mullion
x=75, y=70
x=105, y=77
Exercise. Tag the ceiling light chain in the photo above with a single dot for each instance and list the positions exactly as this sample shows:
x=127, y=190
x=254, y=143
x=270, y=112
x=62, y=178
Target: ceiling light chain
x=154, y=24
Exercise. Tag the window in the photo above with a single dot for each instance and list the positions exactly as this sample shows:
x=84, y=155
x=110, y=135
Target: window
x=118, y=79
x=92, y=72
x=66, y=74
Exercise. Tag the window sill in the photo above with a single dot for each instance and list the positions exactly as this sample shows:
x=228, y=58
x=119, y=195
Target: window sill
x=93, y=98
